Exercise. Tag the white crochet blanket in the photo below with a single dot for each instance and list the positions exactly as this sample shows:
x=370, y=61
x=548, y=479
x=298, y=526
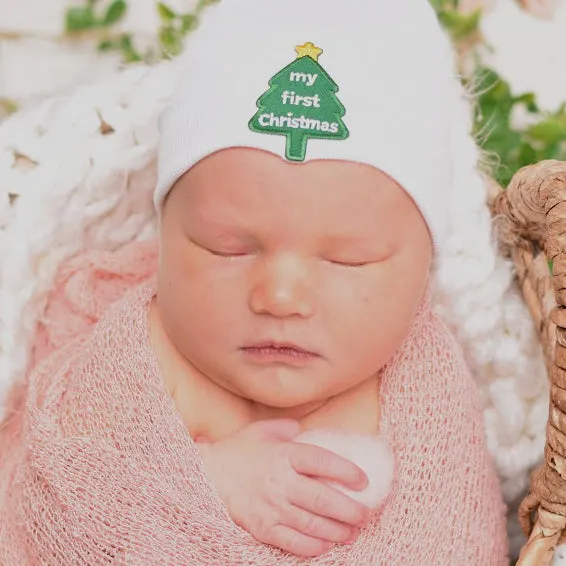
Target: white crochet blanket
x=83, y=169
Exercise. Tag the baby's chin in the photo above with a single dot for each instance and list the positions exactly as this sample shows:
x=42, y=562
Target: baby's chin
x=286, y=390
x=297, y=395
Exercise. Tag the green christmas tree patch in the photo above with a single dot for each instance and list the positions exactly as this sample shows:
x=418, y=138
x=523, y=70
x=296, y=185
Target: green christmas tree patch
x=300, y=104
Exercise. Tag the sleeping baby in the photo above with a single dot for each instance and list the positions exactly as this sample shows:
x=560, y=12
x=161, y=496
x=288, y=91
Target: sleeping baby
x=267, y=383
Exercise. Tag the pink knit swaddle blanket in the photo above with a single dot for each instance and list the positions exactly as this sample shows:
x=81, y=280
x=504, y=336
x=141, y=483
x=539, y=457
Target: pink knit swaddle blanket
x=98, y=468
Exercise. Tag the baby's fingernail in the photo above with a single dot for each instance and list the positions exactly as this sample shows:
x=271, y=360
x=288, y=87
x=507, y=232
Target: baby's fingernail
x=362, y=481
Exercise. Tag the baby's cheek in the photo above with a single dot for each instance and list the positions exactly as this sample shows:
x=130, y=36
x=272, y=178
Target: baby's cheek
x=370, y=453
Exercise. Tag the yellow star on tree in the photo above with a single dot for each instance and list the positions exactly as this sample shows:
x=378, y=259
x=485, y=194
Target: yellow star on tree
x=308, y=50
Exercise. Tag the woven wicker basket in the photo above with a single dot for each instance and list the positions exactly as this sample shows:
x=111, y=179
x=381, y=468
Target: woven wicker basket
x=531, y=219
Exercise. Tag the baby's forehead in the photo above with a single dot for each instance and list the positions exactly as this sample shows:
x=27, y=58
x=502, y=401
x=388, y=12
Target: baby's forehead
x=242, y=189
x=244, y=165
x=250, y=176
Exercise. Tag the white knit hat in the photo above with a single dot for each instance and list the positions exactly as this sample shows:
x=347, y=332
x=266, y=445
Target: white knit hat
x=370, y=81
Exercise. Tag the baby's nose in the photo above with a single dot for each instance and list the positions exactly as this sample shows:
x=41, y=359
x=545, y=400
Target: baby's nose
x=283, y=287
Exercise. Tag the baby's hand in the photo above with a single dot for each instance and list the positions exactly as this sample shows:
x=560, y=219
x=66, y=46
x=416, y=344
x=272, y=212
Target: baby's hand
x=270, y=487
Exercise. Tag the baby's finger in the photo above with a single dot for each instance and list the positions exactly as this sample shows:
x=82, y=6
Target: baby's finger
x=314, y=461
x=290, y=540
x=319, y=527
x=321, y=499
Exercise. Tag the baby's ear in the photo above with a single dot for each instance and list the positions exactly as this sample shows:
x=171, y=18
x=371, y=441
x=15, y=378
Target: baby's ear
x=371, y=453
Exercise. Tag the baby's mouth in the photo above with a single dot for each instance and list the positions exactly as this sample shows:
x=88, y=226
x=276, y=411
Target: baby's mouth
x=285, y=352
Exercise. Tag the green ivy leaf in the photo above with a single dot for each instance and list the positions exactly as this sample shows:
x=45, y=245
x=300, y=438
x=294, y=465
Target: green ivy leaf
x=529, y=100
x=166, y=14
x=492, y=121
x=460, y=26
x=513, y=147
x=129, y=52
x=80, y=18
x=202, y=4
x=437, y=4
x=188, y=23
x=108, y=45
x=171, y=40
x=550, y=131
x=115, y=12
x=527, y=155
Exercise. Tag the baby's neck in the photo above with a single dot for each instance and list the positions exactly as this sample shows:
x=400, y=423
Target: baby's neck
x=211, y=411
x=261, y=412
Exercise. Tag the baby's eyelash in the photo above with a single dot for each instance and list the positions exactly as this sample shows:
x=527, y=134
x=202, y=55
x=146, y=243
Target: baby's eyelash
x=350, y=264
x=226, y=254
x=235, y=255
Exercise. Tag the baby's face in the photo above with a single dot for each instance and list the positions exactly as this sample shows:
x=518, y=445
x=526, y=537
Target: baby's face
x=289, y=283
